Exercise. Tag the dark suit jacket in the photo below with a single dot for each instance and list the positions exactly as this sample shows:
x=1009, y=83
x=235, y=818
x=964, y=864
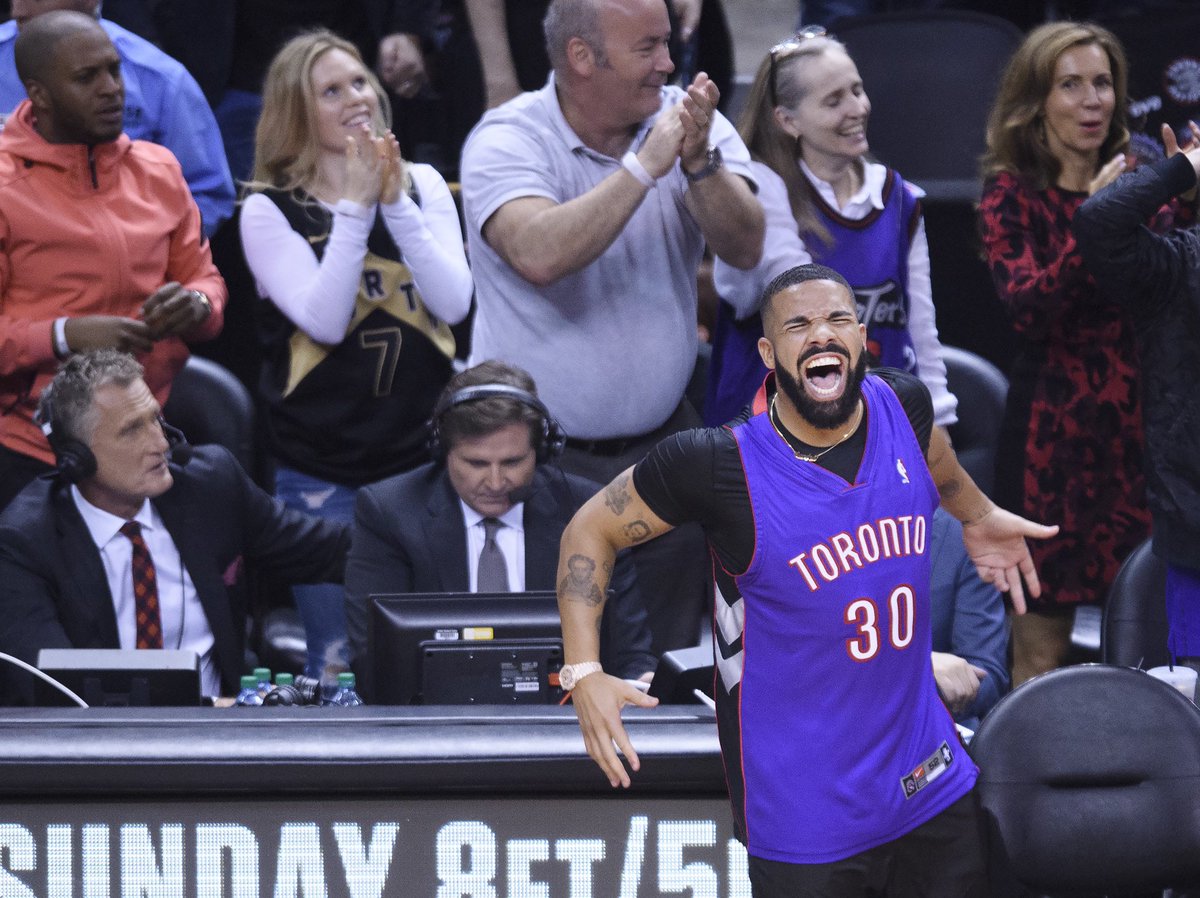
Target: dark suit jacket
x=409, y=536
x=967, y=615
x=54, y=594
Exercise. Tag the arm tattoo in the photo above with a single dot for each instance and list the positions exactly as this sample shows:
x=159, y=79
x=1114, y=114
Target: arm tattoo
x=579, y=585
x=949, y=489
x=637, y=531
x=616, y=494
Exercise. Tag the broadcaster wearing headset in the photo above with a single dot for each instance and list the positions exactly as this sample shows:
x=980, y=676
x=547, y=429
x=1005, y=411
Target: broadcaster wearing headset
x=426, y=529
x=70, y=569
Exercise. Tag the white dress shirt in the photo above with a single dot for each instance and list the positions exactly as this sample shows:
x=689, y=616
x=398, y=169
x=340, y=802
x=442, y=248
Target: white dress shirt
x=510, y=538
x=184, y=624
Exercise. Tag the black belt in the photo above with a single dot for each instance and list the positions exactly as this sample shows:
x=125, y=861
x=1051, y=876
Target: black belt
x=612, y=447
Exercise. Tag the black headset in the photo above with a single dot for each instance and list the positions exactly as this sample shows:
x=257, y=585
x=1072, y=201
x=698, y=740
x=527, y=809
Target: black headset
x=75, y=460
x=549, y=444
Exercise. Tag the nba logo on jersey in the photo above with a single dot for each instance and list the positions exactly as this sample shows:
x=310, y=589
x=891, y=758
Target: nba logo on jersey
x=903, y=471
x=927, y=771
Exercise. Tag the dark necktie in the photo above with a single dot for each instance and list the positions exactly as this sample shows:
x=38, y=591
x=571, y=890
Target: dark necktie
x=145, y=590
x=493, y=570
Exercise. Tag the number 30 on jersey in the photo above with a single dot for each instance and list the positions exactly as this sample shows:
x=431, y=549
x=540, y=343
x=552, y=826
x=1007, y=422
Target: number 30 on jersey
x=864, y=615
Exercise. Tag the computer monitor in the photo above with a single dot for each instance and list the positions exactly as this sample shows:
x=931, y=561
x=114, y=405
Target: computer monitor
x=458, y=648
x=683, y=673
x=120, y=677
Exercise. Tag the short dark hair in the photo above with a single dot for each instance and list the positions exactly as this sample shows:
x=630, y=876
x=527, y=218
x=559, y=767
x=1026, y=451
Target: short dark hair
x=480, y=417
x=33, y=50
x=799, y=275
x=66, y=402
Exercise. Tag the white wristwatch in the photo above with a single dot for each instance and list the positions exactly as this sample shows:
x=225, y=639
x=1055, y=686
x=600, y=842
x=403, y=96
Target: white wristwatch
x=570, y=674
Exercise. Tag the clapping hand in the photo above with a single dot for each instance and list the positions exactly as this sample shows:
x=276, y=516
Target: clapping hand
x=1107, y=174
x=394, y=170
x=173, y=310
x=402, y=64
x=699, y=108
x=1190, y=148
x=365, y=164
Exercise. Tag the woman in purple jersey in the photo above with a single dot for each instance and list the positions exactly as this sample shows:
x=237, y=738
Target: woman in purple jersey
x=805, y=123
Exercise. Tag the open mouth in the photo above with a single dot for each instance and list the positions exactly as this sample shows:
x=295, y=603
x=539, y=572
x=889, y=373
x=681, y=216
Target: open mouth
x=824, y=375
x=355, y=121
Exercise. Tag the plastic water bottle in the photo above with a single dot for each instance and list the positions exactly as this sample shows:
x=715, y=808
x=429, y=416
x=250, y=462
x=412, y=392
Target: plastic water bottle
x=262, y=680
x=346, y=696
x=249, y=697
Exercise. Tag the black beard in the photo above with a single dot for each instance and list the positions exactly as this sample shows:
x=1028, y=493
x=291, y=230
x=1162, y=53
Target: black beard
x=830, y=413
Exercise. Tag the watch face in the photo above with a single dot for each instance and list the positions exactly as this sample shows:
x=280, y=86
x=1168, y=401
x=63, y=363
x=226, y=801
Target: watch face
x=566, y=677
x=712, y=163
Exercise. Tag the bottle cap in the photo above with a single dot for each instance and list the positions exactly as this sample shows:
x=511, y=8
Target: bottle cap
x=262, y=673
x=249, y=681
x=346, y=679
x=284, y=679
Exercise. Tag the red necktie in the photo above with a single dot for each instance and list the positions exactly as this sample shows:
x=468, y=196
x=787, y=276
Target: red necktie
x=145, y=590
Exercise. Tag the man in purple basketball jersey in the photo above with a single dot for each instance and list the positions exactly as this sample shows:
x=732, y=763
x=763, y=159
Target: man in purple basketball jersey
x=844, y=768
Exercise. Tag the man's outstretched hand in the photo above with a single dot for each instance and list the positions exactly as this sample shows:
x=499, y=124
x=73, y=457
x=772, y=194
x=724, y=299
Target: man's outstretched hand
x=996, y=544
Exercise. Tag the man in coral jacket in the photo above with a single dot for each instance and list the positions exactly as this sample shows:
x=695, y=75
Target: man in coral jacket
x=100, y=241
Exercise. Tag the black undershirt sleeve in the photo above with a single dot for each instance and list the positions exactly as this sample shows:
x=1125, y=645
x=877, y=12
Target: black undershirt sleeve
x=696, y=475
x=915, y=398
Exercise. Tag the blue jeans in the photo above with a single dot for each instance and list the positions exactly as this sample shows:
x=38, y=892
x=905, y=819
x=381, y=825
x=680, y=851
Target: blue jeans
x=322, y=606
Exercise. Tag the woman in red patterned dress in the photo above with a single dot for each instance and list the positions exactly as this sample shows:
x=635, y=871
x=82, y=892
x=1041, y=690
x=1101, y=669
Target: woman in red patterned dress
x=1071, y=445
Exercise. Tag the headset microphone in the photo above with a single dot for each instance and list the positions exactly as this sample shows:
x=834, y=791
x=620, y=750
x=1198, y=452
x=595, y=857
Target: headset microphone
x=179, y=449
x=520, y=494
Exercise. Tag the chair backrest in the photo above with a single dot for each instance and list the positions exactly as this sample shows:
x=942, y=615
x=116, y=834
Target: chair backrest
x=210, y=405
x=931, y=76
x=1134, y=629
x=981, y=390
x=1089, y=780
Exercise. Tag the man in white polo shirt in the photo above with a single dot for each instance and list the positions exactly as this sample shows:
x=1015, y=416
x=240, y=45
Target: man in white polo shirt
x=588, y=207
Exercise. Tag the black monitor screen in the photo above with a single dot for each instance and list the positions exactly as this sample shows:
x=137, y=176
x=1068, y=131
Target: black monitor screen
x=465, y=648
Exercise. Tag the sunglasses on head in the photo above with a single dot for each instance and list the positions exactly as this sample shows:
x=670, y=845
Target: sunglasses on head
x=784, y=49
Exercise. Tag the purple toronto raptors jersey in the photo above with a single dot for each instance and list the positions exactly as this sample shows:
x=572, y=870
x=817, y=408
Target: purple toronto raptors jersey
x=872, y=254
x=842, y=742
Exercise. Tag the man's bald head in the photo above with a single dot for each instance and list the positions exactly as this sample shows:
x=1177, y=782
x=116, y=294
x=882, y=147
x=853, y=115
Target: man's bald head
x=34, y=49
x=72, y=74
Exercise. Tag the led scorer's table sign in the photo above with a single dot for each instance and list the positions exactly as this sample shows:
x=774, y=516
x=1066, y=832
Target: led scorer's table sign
x=359, y=802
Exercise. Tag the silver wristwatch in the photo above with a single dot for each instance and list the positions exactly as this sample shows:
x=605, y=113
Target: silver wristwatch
x=713, y=161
